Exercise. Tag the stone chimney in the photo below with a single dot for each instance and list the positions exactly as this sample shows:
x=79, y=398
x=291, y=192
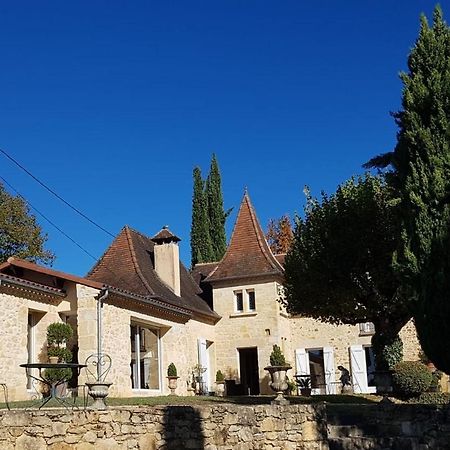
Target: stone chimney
x=167, y=259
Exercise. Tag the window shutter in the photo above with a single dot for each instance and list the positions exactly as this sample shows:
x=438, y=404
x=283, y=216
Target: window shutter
x=302, y=362
x=203, y=359
x=328, y=365
x=359, y=371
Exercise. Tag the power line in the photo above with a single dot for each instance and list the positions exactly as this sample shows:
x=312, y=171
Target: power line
x=55, y=193
x=48, y=220
x=62, y=231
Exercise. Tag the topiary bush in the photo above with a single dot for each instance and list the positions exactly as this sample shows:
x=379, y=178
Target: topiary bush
x=411, y=378
x=220, y=377
x=172, y=370
x=276, y=357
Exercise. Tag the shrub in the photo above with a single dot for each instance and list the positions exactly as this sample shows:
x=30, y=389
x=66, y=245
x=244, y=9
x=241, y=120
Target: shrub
x=172, y=370
x=220, y=377
x=58, y=333
x=276, y=357
x=388, y=351
x=432, y=398
x=411, y=378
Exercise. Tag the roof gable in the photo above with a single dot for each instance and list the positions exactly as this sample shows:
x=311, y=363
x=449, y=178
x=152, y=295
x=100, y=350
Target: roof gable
x=248, y=254
x=128, y=264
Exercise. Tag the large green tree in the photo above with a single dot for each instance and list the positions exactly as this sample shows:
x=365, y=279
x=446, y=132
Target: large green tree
x=216, y=213
x=201, y=249
x=20, y=234
x=421, y=176
x=339, y=267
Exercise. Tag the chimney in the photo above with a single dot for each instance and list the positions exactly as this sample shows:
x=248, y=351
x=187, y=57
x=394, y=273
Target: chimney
x=167, y=259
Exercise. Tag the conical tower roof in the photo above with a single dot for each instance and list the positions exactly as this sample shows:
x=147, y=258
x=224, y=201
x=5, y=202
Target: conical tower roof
x=248, y=254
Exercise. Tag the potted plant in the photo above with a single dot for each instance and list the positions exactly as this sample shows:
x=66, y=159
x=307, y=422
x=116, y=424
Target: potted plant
x=197, y=371
x=304, y=384
x=172, y=376
x=58, y=336
x=220, y=383
x=278, y=369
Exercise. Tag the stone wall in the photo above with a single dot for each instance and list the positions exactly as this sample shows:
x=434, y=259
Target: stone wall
x=226, y=427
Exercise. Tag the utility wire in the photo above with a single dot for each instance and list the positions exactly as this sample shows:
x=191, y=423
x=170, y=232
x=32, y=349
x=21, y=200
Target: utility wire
x=55, y=193
x=48, y=220
x=62, y=231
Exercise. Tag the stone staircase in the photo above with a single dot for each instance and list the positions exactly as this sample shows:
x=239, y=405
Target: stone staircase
x=377, y=428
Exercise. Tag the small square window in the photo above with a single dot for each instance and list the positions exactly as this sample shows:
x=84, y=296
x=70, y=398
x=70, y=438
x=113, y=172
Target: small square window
x=239, y=301
x=251, y=300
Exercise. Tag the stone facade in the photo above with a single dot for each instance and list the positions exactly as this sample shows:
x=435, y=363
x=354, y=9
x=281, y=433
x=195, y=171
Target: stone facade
x=226, y=427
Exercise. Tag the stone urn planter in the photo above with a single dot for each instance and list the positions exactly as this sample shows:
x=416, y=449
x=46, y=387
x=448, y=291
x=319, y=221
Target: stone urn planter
x=98, y=390
x=220, y=388
x=278, y=369
x=383, y=382
x=172, y=384
x=278, y=382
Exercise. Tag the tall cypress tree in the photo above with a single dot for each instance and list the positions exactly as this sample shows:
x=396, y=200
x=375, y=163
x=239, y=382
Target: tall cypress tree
x=421, y=175
x=201, y=249
x=216, y=213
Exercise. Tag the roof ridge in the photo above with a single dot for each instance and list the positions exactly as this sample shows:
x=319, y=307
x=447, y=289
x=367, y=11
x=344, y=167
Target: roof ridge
x=128, y=230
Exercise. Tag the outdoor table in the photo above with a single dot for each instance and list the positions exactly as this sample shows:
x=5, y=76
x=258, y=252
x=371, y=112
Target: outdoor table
x=52, y=384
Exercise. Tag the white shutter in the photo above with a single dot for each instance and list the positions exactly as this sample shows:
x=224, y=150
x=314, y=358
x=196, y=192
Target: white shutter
x=203, y=360
x=301, y=362
x=359, y=371
x=328, y=365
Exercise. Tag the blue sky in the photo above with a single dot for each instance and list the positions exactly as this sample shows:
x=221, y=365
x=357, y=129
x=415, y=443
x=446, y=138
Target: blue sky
x=113, y=103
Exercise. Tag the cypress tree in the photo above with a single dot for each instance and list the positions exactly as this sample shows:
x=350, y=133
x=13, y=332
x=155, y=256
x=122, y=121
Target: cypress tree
x=421, y=175
x=216, y=213
x=201, y=250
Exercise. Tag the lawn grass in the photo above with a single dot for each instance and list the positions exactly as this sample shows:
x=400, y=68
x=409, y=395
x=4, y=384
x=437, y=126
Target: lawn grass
x=211, y=400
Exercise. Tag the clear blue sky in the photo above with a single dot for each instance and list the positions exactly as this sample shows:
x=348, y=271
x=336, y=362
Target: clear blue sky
x=113, y=103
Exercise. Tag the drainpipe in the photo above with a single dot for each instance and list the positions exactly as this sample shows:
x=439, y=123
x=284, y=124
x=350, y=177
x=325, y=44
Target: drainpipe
x=103, y=296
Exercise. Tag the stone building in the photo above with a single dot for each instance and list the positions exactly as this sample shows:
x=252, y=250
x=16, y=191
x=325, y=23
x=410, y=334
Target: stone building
x=224, y=315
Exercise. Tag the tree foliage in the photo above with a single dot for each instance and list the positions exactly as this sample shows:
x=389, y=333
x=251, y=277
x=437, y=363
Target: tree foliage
x=339, y=269
x=216, y=213
x=208, y=237
x=201, y=249
x=421, y=176
x=280, y=235
x=20, y=234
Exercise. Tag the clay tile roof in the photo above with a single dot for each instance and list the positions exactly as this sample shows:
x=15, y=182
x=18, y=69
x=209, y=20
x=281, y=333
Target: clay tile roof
x=165, y=236
x=128, y=264
x=248, y=253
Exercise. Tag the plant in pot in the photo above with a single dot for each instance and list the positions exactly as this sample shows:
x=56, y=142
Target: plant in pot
x=172, y=376
x=220, y=383
x=304, y=383
x=277, y=370
x=58, y=335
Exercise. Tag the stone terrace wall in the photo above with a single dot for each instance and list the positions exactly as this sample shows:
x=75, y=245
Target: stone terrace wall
x=226, y=427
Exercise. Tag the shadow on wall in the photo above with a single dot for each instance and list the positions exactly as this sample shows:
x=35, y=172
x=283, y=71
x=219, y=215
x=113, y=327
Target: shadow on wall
x=182, y=428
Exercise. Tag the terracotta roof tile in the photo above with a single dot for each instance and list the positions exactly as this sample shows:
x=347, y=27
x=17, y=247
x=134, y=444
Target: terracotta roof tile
x=248, y=253
x=129, y=264
x=165, y=235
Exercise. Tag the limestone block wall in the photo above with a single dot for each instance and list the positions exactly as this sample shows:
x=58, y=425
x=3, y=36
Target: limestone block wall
x=15, y=307
x=260, y=328
x=178, y=344
x=311, y=334
x=226, y=426
x=411, y=345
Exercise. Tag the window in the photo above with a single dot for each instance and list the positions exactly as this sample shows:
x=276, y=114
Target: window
x=366, y=328
x=145, y=368
x=239, y=301
x=251, y=300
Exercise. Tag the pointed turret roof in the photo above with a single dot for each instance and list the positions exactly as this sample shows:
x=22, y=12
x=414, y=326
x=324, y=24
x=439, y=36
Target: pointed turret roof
x=248, y=254
x=128, y=264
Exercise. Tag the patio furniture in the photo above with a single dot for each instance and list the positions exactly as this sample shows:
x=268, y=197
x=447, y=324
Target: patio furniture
x=53, y=385
x=98, y=366
x=5, y=393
